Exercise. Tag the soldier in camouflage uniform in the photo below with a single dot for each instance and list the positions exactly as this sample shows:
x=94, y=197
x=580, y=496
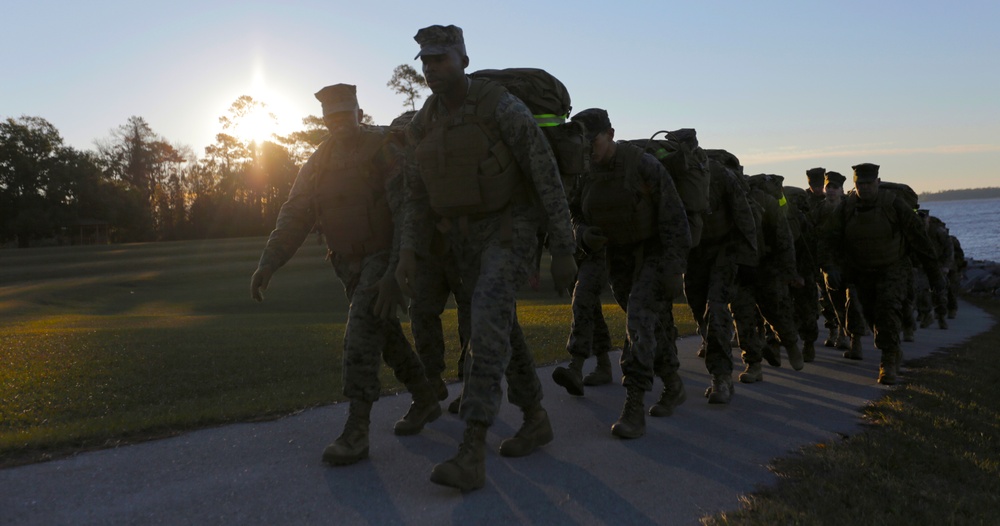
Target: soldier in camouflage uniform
x=351, y=184
x=628, y=207
x=437, y=278
x=818, y=207
x=588, y=333
x=867, y=242
x=840, y=338
x=727, y=252
x=945, y=250
x=486, y=175
x=955, y=275
x=769, y=294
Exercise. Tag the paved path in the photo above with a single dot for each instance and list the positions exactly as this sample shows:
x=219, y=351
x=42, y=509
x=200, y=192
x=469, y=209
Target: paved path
x=698, y=461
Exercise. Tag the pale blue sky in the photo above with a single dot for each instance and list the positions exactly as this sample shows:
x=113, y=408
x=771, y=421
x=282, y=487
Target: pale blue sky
x=785, y=85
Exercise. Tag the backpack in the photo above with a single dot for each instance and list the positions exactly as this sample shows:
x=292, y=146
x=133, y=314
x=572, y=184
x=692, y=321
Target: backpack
x=902, y=191
x=549, y=102
x=688, y=166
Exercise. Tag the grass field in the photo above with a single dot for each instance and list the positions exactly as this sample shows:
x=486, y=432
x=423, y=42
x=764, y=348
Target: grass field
x=105, y=345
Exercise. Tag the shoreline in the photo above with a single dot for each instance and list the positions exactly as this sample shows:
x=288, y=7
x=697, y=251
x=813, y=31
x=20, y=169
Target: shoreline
x=982, y=278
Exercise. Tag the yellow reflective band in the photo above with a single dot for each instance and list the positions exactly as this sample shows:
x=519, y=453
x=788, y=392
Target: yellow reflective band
x=550, y=119
x=782, y=201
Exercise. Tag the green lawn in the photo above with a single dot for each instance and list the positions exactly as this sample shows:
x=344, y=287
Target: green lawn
x=111, y=344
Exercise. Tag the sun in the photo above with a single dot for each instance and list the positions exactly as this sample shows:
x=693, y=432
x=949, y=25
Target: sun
x=257, y=125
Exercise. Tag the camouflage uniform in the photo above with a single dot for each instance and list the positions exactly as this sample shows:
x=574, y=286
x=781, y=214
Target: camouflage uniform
x=367, y=338
x=729, y=241
x=868, y=244
x=588, y=332
x=769, y=294
x=495, y=252
x=945, y=250
x=955, y=275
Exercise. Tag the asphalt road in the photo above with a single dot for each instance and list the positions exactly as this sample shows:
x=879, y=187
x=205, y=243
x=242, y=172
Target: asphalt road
x=696, y=462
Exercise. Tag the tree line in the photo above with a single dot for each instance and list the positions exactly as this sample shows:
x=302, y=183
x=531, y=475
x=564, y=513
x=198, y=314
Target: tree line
x=139, y=186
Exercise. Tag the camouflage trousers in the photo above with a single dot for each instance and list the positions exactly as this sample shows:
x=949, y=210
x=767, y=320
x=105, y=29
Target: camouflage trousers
x=881, y=294
x=826, y=305
x=436, y=279
x=838, y=298
x=770, y=298
x=637, y=284
x=494, y=260
x=907, y=318
x=954, y=285
x=369, y=339
x=709, y=285
x=925, y=299
x=805, y=299
x=588, y=332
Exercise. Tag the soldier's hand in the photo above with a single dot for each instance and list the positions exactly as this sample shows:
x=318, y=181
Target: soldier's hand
x=674, y=285
x=833, y=279
x=258, y=282
x=389, y=297
x=406, y=271
x=594, y=238
x=564, y=273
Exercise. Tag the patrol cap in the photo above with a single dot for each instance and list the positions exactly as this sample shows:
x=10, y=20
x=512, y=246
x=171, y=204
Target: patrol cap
x=595, y=119
x=865, y=172
x=835, y=178
x=438, y=40
x=337, y=98
x=815, y=176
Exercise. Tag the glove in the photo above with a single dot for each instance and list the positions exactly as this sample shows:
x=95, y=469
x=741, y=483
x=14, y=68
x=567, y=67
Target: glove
x=834, y=281
x=563, y=273
x=406, y=271
x=674, y=285
x=746, y=275
x=389, y=297
x=594, y=238
x=258, y=282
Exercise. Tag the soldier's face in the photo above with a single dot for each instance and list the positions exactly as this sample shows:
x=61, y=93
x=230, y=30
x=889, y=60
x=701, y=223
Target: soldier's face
x=602, y=148
x=444, y=72
x=834, y=193
x=867, y=190
x=343, y=123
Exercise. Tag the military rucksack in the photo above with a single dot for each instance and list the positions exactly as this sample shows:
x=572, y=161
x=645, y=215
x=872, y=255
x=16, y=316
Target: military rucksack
x=688, y=166
x=549, y=102
x=902, y=191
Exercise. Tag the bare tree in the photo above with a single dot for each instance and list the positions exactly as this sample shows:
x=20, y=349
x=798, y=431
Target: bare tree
x=407, y=82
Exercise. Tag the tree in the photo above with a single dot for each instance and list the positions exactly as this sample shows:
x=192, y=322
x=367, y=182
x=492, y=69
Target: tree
x=29, y=185
x=407, y=82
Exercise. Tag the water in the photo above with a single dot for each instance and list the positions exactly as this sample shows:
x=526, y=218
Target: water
x=975, y=222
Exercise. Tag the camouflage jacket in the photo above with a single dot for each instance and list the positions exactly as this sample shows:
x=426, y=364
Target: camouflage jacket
x=519, y=131
x=298, y=214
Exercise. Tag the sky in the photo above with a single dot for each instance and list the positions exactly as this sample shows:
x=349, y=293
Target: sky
x=913, y=86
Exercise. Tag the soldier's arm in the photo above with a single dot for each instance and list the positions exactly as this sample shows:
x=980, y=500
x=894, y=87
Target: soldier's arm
x=415, y=210
x=534, y=156
x=918, y=242
x=672, y=224
x=391, y=161
x=745, y=241
x=296, y=217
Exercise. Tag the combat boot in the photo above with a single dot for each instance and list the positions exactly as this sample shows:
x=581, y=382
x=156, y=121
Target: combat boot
x=752, y=374
x=424, y=409
x=908, y=334
x=771, y=354
x=632, y=422
x=926, y=320
x=942, y=322
x=887, y=367
x=795, y=356
x=601, y=375
x=571, y=377
x=808, y=352
x=352, y=445
x=854, y=353
x=465, y=471
x=672, y=396
x=831, y=340
x=721, y=390
x=844, y=341
x=536, y=431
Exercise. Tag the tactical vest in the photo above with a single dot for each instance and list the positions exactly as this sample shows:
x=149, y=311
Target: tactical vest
x=464, y=164
x=350, y=200
x=609, y=205
x=872, y=239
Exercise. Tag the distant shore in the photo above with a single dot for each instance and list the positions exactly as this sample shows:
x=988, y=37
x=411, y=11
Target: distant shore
x=960, y=195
